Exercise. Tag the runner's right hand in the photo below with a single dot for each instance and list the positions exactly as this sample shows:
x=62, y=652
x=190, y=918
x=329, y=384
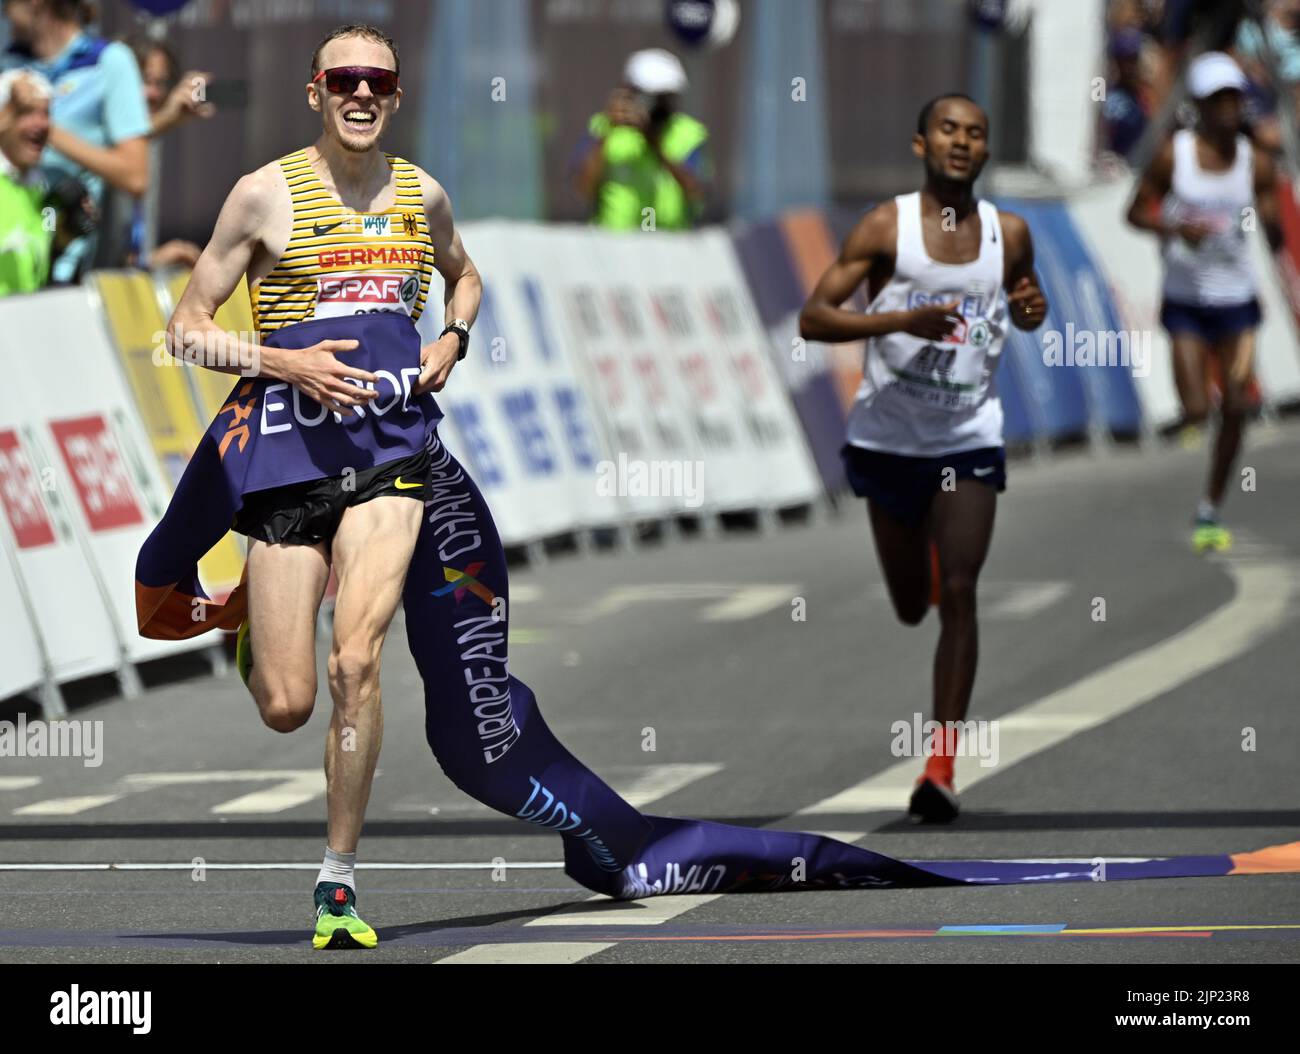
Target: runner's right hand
x=1194, y=233
x=318, y=374
x=933, y=321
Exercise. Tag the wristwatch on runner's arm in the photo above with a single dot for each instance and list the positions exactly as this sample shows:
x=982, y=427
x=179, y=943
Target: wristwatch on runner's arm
x=461, y=328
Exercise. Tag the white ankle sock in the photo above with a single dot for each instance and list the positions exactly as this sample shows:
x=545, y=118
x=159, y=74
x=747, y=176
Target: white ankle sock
x=338, y=868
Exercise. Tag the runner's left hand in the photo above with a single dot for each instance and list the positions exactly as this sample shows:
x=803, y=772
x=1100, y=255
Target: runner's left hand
x=436, y=362
x=1028, y=305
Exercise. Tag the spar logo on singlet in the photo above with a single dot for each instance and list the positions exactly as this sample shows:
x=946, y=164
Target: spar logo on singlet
x=973, y=329
x=364, y=293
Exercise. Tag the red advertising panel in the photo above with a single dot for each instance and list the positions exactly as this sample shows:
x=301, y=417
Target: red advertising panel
x=20, y=494
x=100, y=475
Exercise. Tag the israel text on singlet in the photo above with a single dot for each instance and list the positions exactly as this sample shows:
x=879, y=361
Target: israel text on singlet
x=925, y=398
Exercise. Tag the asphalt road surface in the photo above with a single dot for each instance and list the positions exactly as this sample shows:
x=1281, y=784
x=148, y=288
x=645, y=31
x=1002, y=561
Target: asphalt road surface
x=216, y=824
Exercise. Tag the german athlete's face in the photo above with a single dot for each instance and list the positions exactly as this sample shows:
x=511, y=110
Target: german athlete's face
x=955, y=145
x=357, y=115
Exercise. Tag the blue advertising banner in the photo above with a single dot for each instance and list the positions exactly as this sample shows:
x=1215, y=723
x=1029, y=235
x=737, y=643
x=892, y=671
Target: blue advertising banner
x=1099, y=347
x=1075, y=367
x=774, y=286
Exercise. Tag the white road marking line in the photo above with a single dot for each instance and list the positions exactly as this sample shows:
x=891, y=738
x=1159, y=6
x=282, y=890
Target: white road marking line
x=1026, y=721
x=17, y=783
x=1003, y=600
x=653, y=782
x=66, y=806
x=640, y=785
x=736, y=600
x=620, y=598
x=1264, y=590
x=287, y=795
x=553, y=953
x=601, y=911
x=1025, y=600
x=166, y=779
x=294, y=787
x=748, y=602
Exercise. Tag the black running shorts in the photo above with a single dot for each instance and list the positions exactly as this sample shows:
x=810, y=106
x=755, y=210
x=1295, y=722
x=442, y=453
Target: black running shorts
x=310, y=512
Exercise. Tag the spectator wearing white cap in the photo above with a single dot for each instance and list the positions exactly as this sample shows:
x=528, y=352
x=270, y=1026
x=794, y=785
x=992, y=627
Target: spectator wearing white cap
x=644, y=164
x=1207, y=188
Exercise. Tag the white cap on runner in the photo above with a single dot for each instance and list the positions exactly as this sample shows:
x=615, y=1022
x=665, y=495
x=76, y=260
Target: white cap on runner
x=1212, y=72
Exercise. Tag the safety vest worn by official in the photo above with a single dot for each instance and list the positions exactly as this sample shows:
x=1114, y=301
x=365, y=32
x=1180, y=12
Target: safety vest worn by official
x=635, y=179
x=24, y=241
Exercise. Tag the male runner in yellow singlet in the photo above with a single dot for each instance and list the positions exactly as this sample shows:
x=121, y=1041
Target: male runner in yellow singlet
x=337, y=229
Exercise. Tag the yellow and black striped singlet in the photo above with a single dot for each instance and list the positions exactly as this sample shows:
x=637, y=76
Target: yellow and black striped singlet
x=339, y=262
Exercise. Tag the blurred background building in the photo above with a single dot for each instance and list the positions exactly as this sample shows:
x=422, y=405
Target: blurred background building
x=498, y=93
x=807, y=102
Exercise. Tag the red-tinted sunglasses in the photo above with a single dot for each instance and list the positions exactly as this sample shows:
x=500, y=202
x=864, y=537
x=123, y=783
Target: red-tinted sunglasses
x=344, y=80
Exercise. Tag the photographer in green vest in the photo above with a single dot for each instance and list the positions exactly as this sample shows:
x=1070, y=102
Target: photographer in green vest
x=645, y=165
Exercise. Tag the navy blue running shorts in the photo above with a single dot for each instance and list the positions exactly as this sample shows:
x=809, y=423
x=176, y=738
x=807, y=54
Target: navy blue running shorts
x=903, y=486
x=1211, y=324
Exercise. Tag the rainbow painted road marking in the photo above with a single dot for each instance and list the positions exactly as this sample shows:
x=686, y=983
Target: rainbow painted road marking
x=1289, y=930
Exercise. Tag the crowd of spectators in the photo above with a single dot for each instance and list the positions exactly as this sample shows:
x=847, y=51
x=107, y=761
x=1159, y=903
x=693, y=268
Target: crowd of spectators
x=1148, y=42
x=80, y=116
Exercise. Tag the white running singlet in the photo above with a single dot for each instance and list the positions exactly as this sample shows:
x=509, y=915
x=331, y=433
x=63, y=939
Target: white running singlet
x=1218, y=271
x=925, y=399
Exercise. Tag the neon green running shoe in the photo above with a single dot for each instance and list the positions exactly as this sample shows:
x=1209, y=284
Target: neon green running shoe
x=337, y=923
x=1190, y=437
x=244, y=652
x=1211, y=537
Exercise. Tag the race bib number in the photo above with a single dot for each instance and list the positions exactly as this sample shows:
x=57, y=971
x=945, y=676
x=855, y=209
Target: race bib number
x=1221, y=245
x=951, y=375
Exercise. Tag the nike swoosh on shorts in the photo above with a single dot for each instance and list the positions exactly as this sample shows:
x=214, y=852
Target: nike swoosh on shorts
x=413, y=486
